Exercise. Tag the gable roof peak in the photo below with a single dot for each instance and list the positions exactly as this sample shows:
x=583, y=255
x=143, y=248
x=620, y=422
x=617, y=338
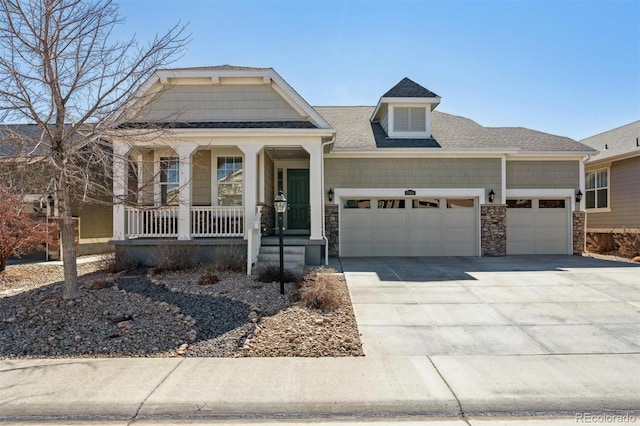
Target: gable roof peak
x=407, y=88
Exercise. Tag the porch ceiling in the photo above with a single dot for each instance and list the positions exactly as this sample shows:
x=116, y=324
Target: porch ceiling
x=287, y=153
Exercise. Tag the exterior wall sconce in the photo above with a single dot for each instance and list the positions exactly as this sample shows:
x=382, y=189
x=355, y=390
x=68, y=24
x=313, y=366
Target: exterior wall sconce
x=330, y=194
x=492, y=196
x=578, y=196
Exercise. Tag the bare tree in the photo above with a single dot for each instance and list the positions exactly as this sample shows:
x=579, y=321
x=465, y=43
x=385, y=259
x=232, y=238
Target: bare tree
x=61, y=70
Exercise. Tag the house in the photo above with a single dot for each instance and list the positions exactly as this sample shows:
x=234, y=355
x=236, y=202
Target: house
x=612, y=191
x=20, y=144
x=395, y=179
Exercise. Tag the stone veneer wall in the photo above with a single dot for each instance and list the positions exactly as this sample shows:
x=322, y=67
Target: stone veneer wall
x=332, y=228
x=493, y=233
x=268, y=220
x=578, y=232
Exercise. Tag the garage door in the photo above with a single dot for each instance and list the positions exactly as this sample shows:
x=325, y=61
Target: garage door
x=537, y=226
x=408, y=227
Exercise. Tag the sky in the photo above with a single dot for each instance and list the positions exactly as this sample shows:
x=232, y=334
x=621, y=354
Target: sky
x=566, y=67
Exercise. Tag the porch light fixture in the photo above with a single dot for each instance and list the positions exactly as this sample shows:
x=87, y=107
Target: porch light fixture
x=50, y=200
x=330, y=195
x=578, y=196
x=492, y=196
x=280, y=204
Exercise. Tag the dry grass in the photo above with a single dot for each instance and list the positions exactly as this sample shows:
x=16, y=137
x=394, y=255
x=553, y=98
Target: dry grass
x=231, y=259
x=600, y=242
x=628, y=244
x=320, y=289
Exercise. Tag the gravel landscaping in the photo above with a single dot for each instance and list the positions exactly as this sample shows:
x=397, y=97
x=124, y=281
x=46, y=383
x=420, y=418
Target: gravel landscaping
x=141, y=314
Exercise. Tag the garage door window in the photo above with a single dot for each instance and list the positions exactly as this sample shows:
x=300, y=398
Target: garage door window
x=460, y=204
x=391, y=204
x=518, y=204
x=551, y=204
x=426, y=203
x=356, y=204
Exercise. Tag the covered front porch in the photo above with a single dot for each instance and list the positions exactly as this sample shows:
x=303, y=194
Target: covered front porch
x=199, y=195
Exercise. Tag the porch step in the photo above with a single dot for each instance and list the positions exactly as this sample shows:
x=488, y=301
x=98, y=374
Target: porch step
x=294, y=256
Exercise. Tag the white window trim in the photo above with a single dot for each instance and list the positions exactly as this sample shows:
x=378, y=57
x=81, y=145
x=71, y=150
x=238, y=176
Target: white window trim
x=608, y=187
x=409, y=135
x=214, y=166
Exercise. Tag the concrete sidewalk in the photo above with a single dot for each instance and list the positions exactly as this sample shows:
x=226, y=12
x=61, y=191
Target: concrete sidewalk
x=449, y=386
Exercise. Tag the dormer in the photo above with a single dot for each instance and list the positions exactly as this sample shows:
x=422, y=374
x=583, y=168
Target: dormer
x=404, y=112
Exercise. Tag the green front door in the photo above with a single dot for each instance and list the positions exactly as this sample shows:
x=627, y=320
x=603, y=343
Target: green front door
x=298, y=199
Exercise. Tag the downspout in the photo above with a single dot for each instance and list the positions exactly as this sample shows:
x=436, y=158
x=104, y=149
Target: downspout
x=324, y=236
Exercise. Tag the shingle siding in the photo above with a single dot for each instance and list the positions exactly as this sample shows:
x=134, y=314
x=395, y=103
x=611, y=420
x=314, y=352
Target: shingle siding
x=201, y=189
x=624, y=198
x=412, y=173
x=542, y=174
x=187, y=103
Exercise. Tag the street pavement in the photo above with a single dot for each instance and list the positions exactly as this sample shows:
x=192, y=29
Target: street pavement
x=458, y=381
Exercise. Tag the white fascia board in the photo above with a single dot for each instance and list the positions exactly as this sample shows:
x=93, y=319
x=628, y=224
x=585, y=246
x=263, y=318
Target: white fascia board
x=412, y=153
x=537, y=156
x=214, y=133
x=432, y=100
x=296, y=101
x=542, y=193
x=375, y=111
x=611, y=159
x=420, y=192
x=597, y=166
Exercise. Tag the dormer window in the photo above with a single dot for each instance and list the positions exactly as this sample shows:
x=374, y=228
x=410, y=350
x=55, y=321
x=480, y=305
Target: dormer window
x=404, y=112
x=406, y=119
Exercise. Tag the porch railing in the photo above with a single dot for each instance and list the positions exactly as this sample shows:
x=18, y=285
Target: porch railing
x=217, y=221
x=158, y=222
x=205, y=222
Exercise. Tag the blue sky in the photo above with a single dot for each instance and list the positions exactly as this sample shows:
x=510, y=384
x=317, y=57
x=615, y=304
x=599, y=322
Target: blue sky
x=565, y=67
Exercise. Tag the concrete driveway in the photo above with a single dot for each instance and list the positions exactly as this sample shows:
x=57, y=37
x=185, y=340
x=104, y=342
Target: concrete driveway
x=515, y=305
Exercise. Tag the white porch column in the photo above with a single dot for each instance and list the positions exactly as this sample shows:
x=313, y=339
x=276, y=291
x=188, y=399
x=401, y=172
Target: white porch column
x=315, y=189
x=250, y=172
x=185, y=152
x=120, y=175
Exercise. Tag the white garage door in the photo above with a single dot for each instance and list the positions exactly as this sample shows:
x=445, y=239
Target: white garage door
x=408, y=227
x=537, y=226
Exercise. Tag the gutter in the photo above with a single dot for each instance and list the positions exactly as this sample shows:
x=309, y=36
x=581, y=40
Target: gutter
x=324, y=236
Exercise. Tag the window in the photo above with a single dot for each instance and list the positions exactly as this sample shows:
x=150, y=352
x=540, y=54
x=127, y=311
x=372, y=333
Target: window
x=426, y=203
x=409, y=119
x=391, y=204
x=230, y=179
x=169, y=180
x=597, y=189
x=551, y=204
x=460, y=204
x=356, y=204
x=519, y=204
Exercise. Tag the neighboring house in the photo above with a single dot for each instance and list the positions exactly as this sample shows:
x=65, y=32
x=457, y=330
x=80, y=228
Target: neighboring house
x=612, y=181
x=19, y=143
x=394, y=179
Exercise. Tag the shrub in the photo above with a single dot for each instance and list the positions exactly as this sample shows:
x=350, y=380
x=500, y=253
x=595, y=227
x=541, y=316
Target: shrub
x=174, y=258
x=320, y=289
x=271, y=273
x=208, y=279
x=628, y=243
x=231, y=258
x=600, y=242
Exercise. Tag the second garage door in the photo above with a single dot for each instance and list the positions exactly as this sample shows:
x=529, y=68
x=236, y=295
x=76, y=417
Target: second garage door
x=537, y=226
x=408, y=227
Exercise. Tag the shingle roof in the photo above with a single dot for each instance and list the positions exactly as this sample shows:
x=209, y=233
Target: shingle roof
x=20, y=140
x=408, y=88
x=354, y=132
x=619, y=141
